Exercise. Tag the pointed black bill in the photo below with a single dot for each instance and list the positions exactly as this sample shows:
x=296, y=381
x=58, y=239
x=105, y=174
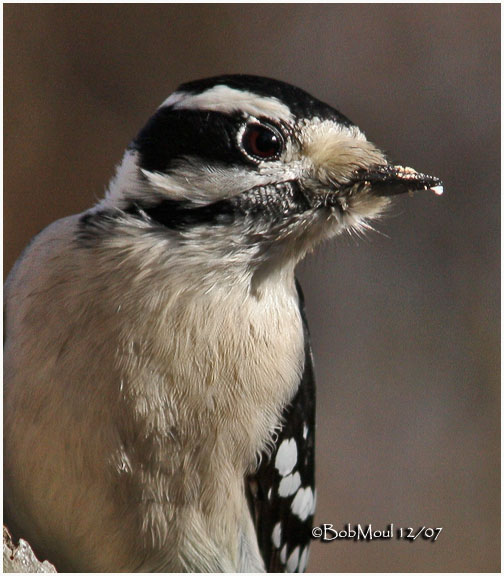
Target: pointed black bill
x=390, y=180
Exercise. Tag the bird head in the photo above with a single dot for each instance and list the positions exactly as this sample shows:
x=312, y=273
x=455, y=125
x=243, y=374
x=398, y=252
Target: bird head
x=257, y=166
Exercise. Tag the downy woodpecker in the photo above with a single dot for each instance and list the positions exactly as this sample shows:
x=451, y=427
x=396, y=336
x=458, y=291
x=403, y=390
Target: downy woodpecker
x=159, y=388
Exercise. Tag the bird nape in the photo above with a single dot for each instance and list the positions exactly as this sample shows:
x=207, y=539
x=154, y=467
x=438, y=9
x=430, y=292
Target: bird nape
x=159, y=410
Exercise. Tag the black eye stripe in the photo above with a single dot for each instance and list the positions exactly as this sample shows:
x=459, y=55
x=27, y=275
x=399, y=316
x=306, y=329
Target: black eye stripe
x=214, y=137
x=174, y=134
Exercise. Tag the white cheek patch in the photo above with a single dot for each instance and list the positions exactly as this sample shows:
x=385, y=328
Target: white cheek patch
x=191, y=180
x=169, y=186
x=203, y=184
x=228, y=100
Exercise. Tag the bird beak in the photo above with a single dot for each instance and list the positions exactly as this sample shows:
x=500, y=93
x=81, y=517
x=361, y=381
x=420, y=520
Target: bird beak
x=388, y=180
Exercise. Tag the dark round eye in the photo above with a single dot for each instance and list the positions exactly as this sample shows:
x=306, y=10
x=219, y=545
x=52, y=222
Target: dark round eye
x=261, y=141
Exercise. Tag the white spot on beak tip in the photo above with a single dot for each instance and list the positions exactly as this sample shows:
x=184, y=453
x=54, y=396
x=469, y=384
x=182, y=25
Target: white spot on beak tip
x=286, y=457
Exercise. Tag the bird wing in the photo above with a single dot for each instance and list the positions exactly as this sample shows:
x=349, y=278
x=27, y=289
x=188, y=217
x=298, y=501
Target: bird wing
x=282, y=500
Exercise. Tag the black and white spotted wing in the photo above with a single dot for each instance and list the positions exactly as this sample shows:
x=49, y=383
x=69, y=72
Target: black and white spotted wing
x=282, y=491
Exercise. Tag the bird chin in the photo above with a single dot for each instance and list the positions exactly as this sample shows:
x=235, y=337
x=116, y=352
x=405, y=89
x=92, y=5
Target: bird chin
x=325, y=220
x=347, y=209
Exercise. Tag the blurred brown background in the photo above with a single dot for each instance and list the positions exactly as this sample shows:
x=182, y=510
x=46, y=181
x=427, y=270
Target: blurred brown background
x=405, y=324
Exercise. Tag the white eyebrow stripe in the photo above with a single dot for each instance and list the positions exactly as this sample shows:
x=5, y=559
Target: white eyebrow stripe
x=222, y=98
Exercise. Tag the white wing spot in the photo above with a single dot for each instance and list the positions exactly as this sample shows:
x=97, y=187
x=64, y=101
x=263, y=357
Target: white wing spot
x=283, y=554
x=289, y=484
x=276, y=535
x=292, y=562
x=269, y=493
x=302, y=505
x=303, y=561
x=305, y=431
x=286, y=457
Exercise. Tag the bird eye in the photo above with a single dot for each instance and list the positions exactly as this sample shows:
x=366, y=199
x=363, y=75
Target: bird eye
x=262, y=142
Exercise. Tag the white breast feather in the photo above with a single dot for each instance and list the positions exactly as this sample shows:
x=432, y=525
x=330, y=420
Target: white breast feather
x=181, y=385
